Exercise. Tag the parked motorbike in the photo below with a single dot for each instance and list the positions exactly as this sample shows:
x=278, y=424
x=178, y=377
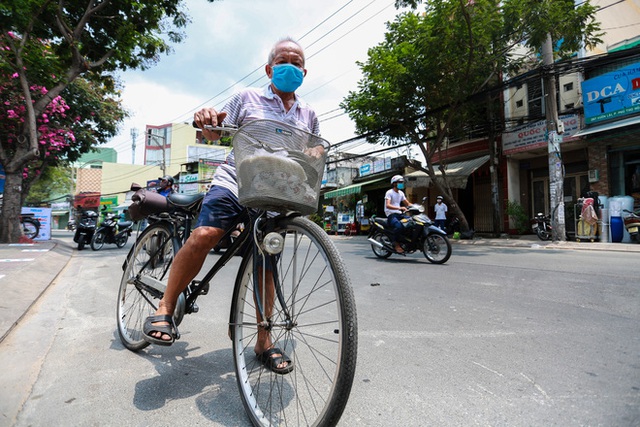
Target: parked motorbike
x=112, y=231
x=86, y=228
x=541, y=225
x=30, y=225
x=632, y=224
x=419, y=234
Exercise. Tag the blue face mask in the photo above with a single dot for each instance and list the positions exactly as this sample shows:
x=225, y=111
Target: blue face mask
x=286, y=77
x=400, y=186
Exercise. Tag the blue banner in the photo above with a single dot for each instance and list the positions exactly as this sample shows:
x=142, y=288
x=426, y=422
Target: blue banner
x=612, y=95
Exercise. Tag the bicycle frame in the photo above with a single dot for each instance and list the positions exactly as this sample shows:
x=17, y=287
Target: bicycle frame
x=197, y=287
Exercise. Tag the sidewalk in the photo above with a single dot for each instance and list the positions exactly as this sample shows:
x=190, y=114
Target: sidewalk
x=532, y=241
x=26, y=271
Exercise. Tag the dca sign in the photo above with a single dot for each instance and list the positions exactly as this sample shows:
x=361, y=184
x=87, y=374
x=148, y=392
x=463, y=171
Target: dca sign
x=612, y=95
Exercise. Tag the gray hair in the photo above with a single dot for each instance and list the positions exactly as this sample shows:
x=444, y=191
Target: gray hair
x=272, y=53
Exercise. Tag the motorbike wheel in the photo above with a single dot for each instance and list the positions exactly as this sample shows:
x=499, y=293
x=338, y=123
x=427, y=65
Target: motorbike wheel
x=543, y=234
x=437, y=248
x=97, y=242
x=81, y=241
x=121, y=240
x=378, y=251
x=29, y=228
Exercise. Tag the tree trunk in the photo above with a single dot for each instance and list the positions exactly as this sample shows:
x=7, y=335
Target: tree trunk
x=10, y=229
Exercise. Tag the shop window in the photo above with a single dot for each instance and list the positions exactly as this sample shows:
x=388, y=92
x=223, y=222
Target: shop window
x=568, y=87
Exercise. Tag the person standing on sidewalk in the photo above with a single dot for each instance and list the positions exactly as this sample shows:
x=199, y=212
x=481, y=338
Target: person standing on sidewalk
x=441, y=213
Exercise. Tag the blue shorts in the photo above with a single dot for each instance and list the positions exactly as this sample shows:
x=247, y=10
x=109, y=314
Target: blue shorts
x=220, y=207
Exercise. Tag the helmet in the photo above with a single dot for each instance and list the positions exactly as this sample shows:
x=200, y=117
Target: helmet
x=397, y=178
x=169, y=179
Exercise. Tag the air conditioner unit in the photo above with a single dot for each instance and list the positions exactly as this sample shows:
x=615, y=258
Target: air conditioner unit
x=594, y=175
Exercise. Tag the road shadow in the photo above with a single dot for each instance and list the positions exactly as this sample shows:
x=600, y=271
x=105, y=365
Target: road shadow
x=209, y=377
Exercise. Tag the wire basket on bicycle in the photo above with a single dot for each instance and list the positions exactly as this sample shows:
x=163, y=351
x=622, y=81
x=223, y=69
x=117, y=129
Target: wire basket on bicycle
x=279, y=167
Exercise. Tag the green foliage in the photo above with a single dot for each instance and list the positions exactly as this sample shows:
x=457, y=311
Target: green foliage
x=516, y=212
x=51, y=45
x=53, y=182
x=317, y=219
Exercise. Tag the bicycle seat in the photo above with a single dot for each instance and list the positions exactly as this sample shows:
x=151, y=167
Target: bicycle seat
x=185, y=201
x=125, y=223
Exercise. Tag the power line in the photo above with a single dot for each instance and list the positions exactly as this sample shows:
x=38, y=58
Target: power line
x=125, y=143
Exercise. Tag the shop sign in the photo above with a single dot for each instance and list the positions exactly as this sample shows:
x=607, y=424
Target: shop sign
x=206, y=169
x=612, y=95
x=189, y=183
x=534, y=135
x=87, y=201
x=109, y=202
x=365, y=169
x=378, y=166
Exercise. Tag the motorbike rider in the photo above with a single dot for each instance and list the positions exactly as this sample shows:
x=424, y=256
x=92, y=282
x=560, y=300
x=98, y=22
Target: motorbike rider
x=394, y=207
x=165, y=187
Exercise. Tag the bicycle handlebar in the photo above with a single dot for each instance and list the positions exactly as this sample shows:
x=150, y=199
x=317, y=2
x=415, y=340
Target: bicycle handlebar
x=224, y=130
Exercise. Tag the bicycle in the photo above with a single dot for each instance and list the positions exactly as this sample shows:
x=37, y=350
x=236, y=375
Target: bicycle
x=313, y=315
x=30, y=225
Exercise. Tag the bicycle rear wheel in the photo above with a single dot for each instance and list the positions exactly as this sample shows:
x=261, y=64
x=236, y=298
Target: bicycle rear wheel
x=29, y=228
x=143, y=282
x=319, y=333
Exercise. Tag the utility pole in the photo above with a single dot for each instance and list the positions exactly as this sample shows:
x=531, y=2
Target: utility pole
x=554, y=137
x=134, y=136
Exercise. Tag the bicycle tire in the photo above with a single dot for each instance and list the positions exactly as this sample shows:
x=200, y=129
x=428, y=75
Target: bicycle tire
x=30, y=229
x=321, y=341
x=97, y=241
x=437, y=248
x=151, y=259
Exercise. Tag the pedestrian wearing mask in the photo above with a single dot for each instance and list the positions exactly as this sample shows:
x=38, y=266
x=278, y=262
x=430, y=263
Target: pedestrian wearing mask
x=441, y=213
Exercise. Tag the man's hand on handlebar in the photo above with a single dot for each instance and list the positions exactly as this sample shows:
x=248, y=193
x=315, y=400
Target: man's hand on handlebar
x=209, y=116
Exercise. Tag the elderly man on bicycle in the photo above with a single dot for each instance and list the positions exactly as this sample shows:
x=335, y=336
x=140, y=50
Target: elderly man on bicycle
x=286, y=69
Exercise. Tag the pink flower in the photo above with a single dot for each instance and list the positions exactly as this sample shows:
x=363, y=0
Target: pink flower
x=15, y=75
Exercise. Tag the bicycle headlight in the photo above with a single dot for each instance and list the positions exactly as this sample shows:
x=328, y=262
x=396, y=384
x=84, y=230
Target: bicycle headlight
x=273, y=243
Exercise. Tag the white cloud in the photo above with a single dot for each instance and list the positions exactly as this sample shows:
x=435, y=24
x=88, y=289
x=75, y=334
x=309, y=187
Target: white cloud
x=228, y=40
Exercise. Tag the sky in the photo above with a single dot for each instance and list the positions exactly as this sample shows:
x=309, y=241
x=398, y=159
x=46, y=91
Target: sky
x=226, y=48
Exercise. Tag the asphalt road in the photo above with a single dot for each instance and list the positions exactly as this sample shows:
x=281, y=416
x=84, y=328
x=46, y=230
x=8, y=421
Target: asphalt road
x=495, y=337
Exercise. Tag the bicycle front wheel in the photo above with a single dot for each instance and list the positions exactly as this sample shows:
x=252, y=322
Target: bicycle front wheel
x=313, y=321
x=143, y=282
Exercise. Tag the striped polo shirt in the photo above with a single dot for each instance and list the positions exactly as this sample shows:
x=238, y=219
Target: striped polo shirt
x=254, y=104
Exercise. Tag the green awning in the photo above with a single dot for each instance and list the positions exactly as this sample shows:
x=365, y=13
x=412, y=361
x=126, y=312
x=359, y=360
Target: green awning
x=350, y=189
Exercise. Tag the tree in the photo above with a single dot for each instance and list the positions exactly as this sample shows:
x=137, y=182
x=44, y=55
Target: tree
x=46, y=47
x=436, y=76
x=53, y=182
